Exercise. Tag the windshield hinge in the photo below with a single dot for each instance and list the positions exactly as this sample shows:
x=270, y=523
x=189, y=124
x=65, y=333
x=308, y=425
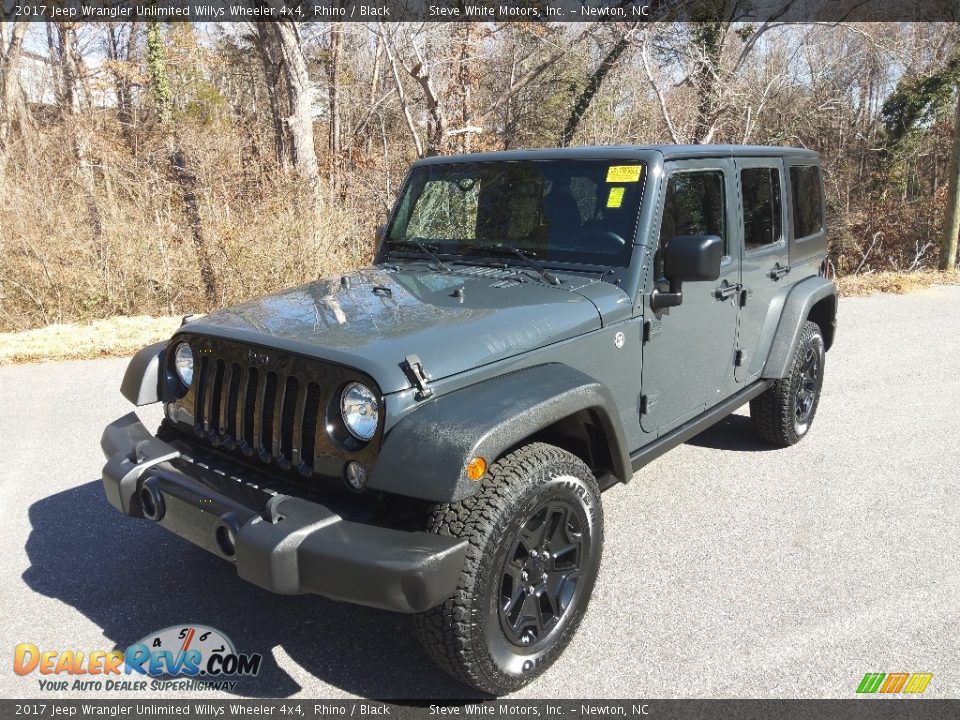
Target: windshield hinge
x=413, y=367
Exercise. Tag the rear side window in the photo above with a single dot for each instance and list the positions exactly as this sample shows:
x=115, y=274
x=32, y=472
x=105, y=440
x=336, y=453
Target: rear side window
x=694, y=205
x=807, y=210
x=761, y=206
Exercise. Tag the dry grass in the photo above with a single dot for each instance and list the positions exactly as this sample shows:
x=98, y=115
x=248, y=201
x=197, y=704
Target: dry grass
x=894, y=282
x=115, y=337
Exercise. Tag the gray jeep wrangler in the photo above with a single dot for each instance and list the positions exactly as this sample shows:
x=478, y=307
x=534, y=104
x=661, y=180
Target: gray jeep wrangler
x=431, y=434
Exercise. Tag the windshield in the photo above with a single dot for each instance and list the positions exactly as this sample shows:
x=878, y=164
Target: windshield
x=570, y=211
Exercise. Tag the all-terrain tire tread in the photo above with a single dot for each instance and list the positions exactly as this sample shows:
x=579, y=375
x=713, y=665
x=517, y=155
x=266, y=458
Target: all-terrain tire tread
x=442, y=630
x=771, y=412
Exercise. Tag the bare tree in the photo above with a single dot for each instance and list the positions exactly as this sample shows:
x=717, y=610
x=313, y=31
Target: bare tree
x=121, y=48
x=186, y=179
x=13, y=110
x=300, y=106
x=623, y=37
x=281, y=51
x=271, y=58
x=333, y=72
x=79, y=131
x=437, y=103
x=401, y=92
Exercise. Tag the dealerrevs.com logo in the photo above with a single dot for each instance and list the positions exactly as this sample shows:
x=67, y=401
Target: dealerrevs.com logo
x=180, y=657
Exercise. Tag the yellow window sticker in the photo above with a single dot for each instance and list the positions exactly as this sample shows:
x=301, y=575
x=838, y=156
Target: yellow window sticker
x=624, y=173
x=615, y=198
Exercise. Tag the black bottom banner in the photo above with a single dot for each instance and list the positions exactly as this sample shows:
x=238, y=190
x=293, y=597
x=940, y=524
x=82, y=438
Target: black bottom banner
x=851, y=709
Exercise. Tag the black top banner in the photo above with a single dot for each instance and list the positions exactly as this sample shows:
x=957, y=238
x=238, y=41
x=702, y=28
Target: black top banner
x=489, y=11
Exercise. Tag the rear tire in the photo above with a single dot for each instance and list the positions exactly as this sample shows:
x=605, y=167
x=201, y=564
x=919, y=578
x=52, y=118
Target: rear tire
x=783, y=414
x=536, y=534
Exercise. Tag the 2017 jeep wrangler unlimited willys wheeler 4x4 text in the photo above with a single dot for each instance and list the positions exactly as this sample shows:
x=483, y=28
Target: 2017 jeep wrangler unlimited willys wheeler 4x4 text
x=431, y=434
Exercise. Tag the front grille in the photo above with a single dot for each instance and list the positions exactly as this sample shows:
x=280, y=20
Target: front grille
x=268, y=406
x=236, y=410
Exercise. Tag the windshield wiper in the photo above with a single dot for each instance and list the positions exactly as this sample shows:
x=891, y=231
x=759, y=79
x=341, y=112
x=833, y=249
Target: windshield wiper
x=417, y=243
x=524, y=255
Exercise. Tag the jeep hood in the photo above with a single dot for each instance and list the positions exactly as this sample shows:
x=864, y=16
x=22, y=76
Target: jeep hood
x=373, y=319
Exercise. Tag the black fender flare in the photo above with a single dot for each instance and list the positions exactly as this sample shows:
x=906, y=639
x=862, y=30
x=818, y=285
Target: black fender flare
x=804, y=295
x=142, y=381
x=426, y=453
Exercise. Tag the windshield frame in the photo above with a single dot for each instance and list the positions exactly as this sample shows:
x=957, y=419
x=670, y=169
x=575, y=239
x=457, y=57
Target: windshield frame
x=606, y=263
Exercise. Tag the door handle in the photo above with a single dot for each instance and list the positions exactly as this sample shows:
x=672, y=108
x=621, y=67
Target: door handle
x=778, y=272
x=723, y=293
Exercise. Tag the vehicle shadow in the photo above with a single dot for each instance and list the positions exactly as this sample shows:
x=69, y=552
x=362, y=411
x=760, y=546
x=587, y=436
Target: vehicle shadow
x=734, y=432
x=132, y=578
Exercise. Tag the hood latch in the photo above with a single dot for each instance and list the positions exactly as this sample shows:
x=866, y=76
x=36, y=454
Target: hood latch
x=413, y=367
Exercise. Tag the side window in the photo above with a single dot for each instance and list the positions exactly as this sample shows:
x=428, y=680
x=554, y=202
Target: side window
x=761, y=206
x=805, y=192
x=694, y=205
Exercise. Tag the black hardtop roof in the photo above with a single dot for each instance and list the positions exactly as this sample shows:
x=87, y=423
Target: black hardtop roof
x=608, y=152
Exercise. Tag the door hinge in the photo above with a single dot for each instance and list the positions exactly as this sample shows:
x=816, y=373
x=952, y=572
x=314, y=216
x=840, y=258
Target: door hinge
x=779, y=271
x=650, y=329
x=725, y=292
x=647, y=403
x=414, y=370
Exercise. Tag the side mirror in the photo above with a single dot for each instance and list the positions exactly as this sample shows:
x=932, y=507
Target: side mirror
x=687, y=258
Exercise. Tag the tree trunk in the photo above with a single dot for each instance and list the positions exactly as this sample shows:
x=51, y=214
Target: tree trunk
x=80, y=137
x=181, y=170
x=300, y=118
x=465, y=80
x=709, y=37
x=120, y=53
x=333, y=143
x=12, y=106
x=951, y=217
x=401, y=93
x=374, y=87
x=582, y=104
x=271, y=57
x=437, y=126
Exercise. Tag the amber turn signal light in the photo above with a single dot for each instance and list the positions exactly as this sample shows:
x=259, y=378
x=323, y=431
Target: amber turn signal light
x=476, y=468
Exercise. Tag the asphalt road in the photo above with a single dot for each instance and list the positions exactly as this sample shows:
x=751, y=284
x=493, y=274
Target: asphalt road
x=730, y=569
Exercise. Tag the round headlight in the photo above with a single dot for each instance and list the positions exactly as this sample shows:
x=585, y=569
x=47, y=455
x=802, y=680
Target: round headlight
x=360, y=412
x=183, y=363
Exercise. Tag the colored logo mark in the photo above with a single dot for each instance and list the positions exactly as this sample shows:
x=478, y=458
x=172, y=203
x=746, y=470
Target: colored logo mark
x=912, y=683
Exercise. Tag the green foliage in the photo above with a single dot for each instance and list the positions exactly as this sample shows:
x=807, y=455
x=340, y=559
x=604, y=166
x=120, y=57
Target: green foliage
x=918, y=102
x=156, y=67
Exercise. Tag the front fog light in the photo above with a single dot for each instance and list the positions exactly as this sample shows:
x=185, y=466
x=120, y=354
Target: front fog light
x=183, y=363
x=359, y=410
x=355, y=476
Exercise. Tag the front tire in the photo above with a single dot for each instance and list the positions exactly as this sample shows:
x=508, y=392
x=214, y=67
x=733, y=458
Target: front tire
x=783, y=413
x=536, y=534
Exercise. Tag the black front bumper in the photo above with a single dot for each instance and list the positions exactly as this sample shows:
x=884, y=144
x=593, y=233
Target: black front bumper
x=281, y=543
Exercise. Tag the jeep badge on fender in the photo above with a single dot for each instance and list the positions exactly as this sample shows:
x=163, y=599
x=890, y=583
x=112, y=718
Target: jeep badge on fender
x=432, y=434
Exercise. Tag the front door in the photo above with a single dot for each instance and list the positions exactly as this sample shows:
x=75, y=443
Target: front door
x=688, y=354
x=764, y=260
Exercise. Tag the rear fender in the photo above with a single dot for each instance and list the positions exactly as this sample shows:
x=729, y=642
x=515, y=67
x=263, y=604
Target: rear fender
x=814, y=294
